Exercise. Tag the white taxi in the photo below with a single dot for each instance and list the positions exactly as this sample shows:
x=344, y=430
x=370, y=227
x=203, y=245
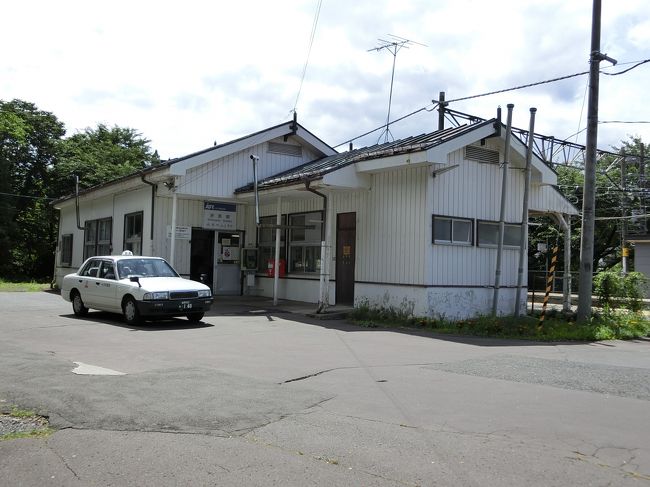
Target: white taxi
x=137, y=287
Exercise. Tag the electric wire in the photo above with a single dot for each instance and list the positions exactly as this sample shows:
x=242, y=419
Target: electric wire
x=311, y=43
x=529, y=85
x=27, y=196
x=628, y=69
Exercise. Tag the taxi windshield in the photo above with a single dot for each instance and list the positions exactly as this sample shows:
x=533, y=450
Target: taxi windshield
x=144, y=268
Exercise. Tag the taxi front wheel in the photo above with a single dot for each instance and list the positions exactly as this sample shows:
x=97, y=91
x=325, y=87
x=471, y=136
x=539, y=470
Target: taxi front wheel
x=130, y=311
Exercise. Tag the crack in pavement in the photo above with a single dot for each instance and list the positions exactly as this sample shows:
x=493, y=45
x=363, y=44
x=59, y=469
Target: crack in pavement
x=63, y=460
x=356, y=367
x=320, y=458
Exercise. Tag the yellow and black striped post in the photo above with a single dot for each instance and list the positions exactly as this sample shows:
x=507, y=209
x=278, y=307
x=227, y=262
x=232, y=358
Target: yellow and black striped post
x=549, y=285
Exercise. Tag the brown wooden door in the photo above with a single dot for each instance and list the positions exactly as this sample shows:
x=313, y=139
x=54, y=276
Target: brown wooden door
x=346, y=230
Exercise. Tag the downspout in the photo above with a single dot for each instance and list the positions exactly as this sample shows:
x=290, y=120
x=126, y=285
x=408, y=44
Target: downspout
x=172, y=251
x=154, y=187
x=76, y=202
x=322, y=302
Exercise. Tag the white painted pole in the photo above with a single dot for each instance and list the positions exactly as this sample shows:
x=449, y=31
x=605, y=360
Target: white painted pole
x=502, y=212
x=567, y=265
x=331, y=213
x=523, y=235
x=172, y=251
x=276, y=274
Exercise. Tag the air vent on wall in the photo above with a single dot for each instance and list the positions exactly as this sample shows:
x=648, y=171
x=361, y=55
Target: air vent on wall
x=286, y=149
x=481, y=155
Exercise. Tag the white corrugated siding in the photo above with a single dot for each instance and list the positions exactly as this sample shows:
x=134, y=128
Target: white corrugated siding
x=473, y=190
x=391, y=237
x=221, y=177
x=188, y=213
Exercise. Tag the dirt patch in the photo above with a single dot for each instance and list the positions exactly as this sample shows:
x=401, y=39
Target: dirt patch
x=10, y=425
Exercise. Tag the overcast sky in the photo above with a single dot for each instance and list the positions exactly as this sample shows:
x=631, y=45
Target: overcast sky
x=186, y=74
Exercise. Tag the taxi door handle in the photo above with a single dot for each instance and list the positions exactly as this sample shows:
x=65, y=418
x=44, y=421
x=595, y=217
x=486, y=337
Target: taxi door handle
x=97, y=283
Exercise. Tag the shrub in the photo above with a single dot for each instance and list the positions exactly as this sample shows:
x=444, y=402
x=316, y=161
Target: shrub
x=612, y=289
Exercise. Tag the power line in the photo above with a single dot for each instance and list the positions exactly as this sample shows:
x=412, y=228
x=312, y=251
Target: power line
x=628, y=69
x=311, y=43
x=520, y=87
x=26, y=196
x=529, y=85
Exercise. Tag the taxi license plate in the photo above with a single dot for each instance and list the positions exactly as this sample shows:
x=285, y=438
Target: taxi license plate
x=186, y=305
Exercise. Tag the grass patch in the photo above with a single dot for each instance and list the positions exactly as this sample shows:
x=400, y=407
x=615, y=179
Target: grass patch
x=40, y=433
x=23, y=423
x=606, y=325
x=8, y=286
x=21, y=413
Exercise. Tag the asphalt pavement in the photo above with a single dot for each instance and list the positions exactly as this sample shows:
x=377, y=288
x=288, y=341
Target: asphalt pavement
x=263, y=395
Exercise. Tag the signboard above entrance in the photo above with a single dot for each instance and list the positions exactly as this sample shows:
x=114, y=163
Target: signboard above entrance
x=219, y=216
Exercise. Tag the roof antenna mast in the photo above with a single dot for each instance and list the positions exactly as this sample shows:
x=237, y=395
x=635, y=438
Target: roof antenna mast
x=394, y=45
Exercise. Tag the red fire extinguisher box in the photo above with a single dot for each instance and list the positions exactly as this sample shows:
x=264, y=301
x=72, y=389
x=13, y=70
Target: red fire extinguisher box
x=270, y=267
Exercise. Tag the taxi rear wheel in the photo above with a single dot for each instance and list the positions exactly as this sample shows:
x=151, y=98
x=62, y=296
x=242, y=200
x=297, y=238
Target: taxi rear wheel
x=130, y=311
x=78, y=306
x=195, y=317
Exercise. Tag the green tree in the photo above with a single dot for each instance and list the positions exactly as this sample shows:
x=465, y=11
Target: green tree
x=99, y=155
x=29, y=145
x=610, y=198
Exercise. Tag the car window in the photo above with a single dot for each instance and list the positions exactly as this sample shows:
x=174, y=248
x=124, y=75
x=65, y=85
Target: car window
x=107, y=270
x=91, y=269
x=144, y=268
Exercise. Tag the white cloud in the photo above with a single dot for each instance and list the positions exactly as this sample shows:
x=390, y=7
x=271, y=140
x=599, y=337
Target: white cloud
x=186, y=74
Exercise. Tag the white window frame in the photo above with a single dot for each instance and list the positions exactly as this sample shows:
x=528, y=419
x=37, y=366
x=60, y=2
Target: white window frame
x=452, y=219
x=93, y=245
x=66, y=249
x=513, y=245
x=267, y=247
x=133, y=241
x=308, y=248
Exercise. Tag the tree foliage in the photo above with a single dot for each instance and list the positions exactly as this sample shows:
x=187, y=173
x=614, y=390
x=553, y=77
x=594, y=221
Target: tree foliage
x=611, y=198
x=101, y=154
x=37, y=164
x=29, y=145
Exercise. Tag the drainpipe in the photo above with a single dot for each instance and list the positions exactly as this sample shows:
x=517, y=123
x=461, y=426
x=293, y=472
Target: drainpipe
x=523, y=236
x=76, y=202
x=322, y=300
x=502, y=213
x=276, y=274
x=154, y=187
x=173, y=242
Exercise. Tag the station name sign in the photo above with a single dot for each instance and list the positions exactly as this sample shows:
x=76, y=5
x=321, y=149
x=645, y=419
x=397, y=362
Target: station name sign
x=219, y=216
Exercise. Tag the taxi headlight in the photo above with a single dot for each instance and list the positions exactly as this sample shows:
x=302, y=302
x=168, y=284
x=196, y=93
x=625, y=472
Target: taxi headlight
x=205, y=293
x=156, y=296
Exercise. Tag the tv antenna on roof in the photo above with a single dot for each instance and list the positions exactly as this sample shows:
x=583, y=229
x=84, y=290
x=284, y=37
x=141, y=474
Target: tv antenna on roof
x=394, y=45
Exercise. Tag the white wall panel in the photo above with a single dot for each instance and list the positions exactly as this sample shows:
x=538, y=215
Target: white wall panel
x=221, y=177
x=473, y=190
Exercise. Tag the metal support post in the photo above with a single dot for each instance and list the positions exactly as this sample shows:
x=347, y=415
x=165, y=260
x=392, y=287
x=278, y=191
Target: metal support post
x=523, y=236
x=502, y=212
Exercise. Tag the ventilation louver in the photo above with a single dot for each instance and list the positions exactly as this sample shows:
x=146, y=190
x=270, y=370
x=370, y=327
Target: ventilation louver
x=286, y=149
x=481, y=155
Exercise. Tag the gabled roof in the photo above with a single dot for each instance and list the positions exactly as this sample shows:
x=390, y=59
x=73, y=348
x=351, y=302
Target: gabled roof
x=180, y=165
x=320, y=167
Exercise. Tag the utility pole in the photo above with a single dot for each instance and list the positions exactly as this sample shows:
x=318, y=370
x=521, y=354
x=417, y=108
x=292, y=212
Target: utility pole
x=589, y=191
x=441, y=110
x=624, y=251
